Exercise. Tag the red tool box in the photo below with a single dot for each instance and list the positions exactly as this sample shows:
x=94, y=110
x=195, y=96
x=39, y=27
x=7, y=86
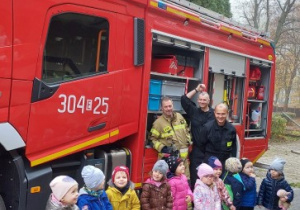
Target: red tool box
x=166, y=64
x=187, y=71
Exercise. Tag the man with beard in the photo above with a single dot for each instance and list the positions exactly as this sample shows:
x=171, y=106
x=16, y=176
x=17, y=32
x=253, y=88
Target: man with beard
x=170, y=134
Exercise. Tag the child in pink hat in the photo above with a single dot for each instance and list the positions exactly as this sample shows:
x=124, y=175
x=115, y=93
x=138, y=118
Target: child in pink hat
x=64, y=194
x=205, y=192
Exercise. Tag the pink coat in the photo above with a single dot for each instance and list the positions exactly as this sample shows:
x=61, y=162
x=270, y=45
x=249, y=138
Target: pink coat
x=206, y=197
x=180, y=189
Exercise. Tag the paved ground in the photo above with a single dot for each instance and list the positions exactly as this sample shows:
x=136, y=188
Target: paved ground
x=291, y=169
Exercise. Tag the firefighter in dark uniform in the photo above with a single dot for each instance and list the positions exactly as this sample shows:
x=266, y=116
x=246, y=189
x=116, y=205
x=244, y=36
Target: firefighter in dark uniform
x=219, y=136
x=198, y=116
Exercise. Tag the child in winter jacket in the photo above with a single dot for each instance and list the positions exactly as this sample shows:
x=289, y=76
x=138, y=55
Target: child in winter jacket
x=267, y=195
x=121, y=191
x=248, y=177
x=156, y=192
x=181, y=191
x=215, y=163
x=64, y=194
x=91, y=195
x=206, y=195
x=234, y=181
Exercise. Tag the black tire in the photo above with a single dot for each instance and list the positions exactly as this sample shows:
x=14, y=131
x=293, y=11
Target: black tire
x=2, y=205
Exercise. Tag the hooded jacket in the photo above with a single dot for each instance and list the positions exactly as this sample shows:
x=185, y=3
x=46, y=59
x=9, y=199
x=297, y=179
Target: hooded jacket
x=128, y=201
x=156, y=197
x=237, y=188
x=267, y=195
x=206, y=197
x=180, y=189
x=93, y=202
x=249, y=196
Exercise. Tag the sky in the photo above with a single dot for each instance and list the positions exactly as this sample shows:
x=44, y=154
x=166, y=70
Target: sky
x=235, y=9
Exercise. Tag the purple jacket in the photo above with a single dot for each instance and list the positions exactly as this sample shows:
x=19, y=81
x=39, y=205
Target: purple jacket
x=180, y=189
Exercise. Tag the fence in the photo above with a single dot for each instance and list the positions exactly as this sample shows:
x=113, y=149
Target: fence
x=293, y=110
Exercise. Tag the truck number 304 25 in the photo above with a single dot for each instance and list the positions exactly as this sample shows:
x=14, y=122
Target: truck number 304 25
x=71, y=104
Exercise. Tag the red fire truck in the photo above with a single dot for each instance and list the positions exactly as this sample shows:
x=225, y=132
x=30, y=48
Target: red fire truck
x=81, y=83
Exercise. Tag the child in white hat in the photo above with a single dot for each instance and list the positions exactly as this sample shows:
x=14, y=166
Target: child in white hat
x=156, y=192
x=92, y=195
x=205, y=192
x=64, y=194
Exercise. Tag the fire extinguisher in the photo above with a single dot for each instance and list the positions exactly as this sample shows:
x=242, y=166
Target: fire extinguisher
x=251, y=91
x=260, y=93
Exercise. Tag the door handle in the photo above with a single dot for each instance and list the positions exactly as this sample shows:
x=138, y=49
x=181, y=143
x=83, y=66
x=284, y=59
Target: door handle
x=96, y=127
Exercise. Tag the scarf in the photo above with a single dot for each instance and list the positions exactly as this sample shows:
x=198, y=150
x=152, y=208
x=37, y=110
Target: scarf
x=94, y=193
x=124, y=189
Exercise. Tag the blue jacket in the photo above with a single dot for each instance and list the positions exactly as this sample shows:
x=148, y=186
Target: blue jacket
x=237, y=188
x=267, y=195
x=93, y=203
x=249, y=195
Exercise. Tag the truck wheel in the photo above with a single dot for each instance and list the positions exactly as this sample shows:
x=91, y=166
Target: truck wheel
x=2, y=205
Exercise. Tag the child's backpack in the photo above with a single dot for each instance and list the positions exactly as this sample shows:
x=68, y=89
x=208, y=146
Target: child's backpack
x=229, y=189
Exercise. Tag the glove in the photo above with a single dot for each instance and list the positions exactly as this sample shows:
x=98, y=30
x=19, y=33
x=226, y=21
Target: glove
x=166, y=149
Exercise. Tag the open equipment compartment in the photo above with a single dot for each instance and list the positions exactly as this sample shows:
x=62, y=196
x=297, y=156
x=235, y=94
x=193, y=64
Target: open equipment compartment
x=183, y=55
x=226, y=82
x=258, y=95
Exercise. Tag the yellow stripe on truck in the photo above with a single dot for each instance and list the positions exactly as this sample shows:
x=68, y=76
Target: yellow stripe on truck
x=169, y=9
x=73, y=148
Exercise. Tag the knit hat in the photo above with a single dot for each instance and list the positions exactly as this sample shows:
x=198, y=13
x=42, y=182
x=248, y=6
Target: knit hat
x=244, y=161
x=161, y=166
x=60, y=185
x=120, y=168
x=92, y=176
x=233, y=165
x=204, y=170
x=173, y=162
x=278, y=165
x=214, y=162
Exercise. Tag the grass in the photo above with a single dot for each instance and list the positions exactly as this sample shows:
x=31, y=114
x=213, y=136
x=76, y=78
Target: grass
x=288, y=135
x=296, y=185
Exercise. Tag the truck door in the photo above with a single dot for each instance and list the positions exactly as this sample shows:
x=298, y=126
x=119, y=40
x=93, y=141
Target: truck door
x=72, y=96
x=5, y=58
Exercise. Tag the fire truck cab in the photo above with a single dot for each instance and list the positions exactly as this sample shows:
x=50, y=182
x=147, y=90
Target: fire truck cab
x=81, y=83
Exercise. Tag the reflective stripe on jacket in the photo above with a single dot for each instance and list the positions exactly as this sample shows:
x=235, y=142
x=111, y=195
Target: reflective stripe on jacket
x=171, y=132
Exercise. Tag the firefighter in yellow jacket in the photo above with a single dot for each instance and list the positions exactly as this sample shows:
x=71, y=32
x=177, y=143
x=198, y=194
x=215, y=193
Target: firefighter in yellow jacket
x=170, y=133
